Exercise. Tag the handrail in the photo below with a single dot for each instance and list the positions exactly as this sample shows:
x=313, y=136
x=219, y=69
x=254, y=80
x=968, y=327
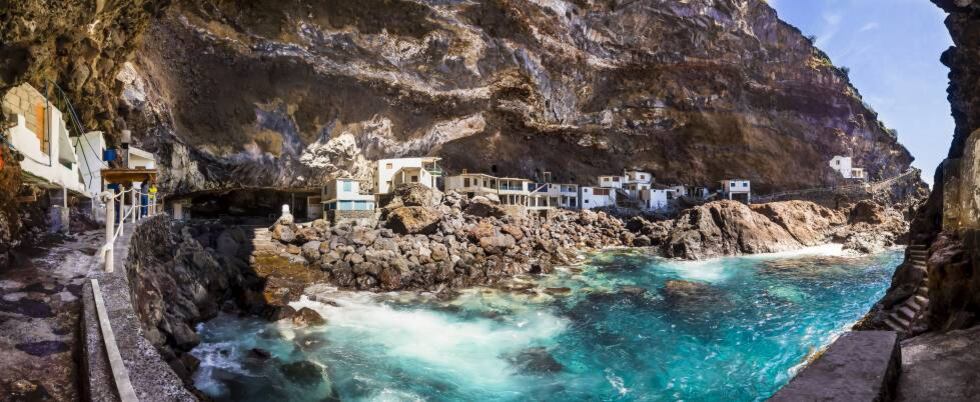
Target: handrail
x=134, y=213
x=874, y=186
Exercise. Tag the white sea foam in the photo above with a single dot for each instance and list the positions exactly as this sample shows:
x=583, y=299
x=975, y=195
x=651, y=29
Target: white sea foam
x=719, y=269
x=474, y=349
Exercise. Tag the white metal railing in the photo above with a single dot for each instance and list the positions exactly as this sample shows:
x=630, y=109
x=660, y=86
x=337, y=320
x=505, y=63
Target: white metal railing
x=134, y=213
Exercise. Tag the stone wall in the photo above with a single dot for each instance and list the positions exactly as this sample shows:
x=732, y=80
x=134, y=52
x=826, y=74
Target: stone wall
x=181, y=275
x=25, y=100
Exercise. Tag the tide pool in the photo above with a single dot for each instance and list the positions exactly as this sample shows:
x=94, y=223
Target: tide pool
x=626, y=326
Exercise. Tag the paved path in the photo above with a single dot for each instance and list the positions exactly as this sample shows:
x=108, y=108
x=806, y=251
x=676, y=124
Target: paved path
x=39, y=319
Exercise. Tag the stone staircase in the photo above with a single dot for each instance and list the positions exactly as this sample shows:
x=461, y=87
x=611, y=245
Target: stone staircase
x=915, y=306
x=262, y=240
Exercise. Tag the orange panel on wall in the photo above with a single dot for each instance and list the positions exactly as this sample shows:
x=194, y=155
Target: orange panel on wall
x=42, y=131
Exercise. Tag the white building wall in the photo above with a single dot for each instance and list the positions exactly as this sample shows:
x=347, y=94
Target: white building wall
x=89, y=148
x=589, y=200
x=37, y=162
x=611, y=181
x=656, y=199
x=842, y=164
x=388, y=167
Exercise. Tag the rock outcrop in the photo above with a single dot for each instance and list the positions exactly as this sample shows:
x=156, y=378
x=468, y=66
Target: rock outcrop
x=434, y=247
x=948, y=223
x=512, y=87
x=724, y=228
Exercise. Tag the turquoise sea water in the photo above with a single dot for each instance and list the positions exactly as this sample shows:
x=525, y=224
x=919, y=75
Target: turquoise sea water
x=628, y=327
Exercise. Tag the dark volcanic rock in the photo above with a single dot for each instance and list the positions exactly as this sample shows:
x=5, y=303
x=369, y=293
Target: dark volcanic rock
x=535, y=360
x=693, y=78
x=308, y=317
x=413, y=220
x=302, y=372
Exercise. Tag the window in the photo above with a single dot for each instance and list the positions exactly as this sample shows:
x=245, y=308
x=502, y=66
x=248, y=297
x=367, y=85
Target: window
x=732, y=185
x=466, y=182
x=389, y=166
x=415, y=179
x=586, y=201
x=601, y=191
x=643, y=176
x=616, y=179
x=345, y=205
x=348, y=186
x=605, y=179
x=746, y=184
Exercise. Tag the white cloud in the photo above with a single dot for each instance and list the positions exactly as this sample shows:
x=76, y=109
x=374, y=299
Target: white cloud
x=870, y=26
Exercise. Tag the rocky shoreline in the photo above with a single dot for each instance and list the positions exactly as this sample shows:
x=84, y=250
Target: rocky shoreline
x=433, y=242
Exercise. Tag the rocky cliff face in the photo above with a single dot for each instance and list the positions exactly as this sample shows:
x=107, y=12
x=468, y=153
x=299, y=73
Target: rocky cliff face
x=948, y=222
x=290, y=93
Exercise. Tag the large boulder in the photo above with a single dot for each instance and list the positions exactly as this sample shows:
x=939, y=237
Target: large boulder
x=809, y=223
x=725, y=228
x=413, y=220
x=484, y=207
x=867, y=211
x=415, y=195
x=308, y=317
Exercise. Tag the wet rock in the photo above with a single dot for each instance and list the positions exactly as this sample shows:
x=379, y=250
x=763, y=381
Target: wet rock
x=24, y=390
x=558, y=291
x=689, y=294
x=310, y=343
x=636, y=290
x=308, y=317
x=42, y=348
x=535, y=360
x=276, y=313
x=258, y=354
x=302, y=372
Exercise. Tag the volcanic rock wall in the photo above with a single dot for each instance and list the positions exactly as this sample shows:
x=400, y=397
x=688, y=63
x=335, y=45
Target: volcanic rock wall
x=291, y=93
x=954, y=287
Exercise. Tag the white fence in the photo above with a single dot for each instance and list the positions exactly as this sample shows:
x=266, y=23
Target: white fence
x=133, y=213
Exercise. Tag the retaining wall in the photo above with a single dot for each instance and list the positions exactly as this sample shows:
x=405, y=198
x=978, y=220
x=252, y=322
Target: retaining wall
x=151, y=377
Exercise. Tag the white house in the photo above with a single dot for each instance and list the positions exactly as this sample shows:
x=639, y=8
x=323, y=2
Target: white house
x=596, y=197
x=89, y=148
x=509, y=190
x=611, y=181
x=737, y=189
x=40, y=135
x=636, y=176
x=844, y=165
x=658, y=199
x=344, y=194
x=569, y=196
x=392, y=172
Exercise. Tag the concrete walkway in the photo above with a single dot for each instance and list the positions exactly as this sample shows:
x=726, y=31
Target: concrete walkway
x=941, y=367
x=150, y=376
x=39, y=319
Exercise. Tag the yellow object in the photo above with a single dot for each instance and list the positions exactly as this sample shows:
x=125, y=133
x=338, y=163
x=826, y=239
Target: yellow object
x=153, y=190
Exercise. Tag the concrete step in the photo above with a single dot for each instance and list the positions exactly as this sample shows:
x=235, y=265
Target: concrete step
x=922, y=301
x=918, y=247
x=922, y=291
x=902, y=322
x=907, y=312
x=894, y=325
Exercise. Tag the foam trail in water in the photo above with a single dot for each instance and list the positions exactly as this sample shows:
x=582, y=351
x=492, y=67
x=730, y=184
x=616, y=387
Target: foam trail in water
x=473, y=349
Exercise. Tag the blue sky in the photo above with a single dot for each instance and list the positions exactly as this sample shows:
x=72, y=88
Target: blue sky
x=892, y=48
